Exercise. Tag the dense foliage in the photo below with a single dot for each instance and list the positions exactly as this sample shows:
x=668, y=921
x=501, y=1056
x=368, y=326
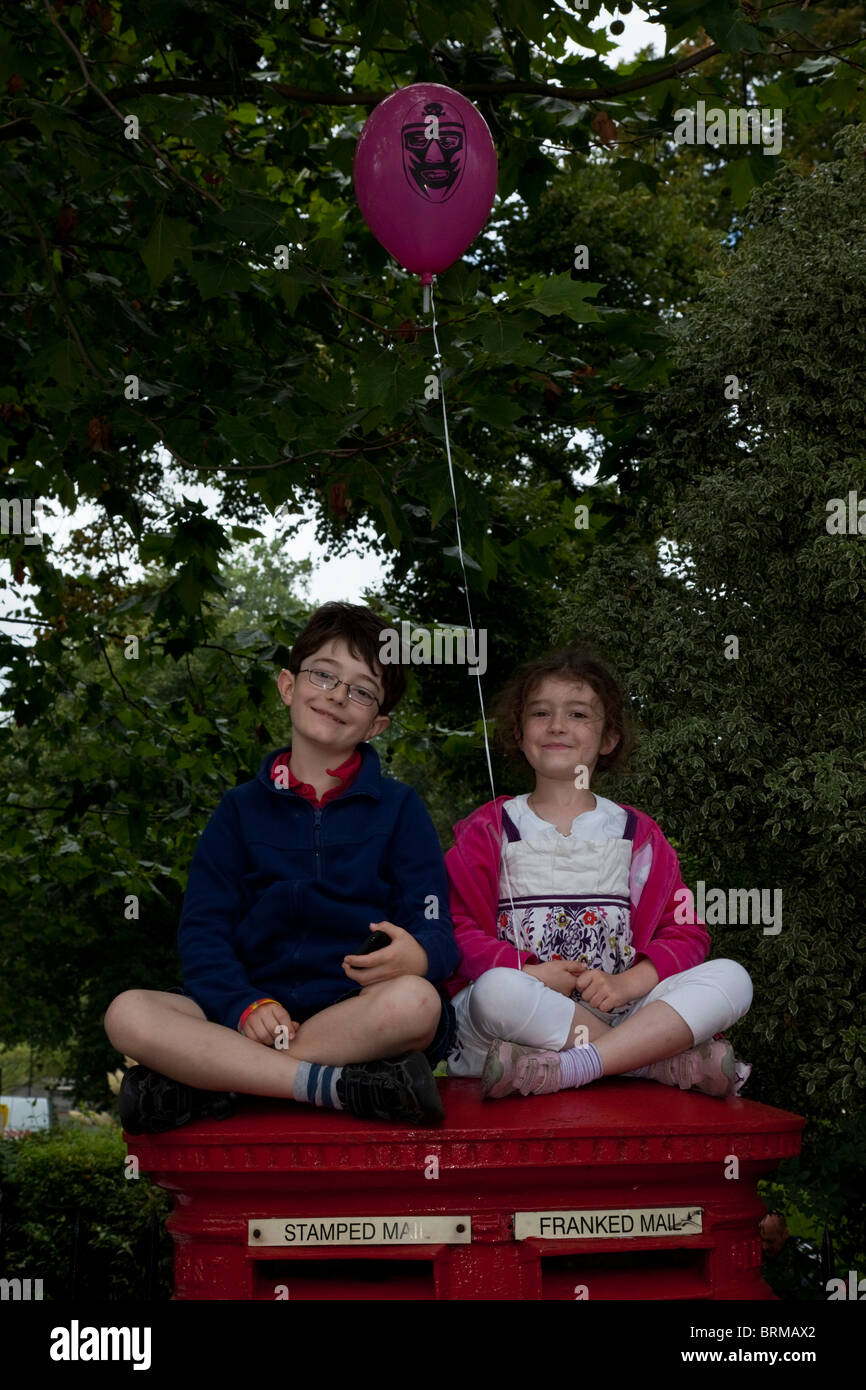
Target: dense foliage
x=745, y=657
x=74, y=1219
x=155, y=344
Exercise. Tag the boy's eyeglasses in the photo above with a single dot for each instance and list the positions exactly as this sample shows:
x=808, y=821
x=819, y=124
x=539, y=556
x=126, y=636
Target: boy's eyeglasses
x=326, y=680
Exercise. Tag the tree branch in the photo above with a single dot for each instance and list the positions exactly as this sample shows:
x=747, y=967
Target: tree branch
x=231, y=472
x=201, y=192
x=832, y=49
x=22, y=125
x=222, y=87
x=122, y=636
x=54, y=285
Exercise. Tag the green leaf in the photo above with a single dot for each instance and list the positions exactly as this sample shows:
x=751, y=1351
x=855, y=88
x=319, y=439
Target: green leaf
x=631, y=172
x=167, y=241
x=467, y=559
x=499, y=411
x=559, y=294
x=374, y=378
x=460, y=281
x=726, y=27
x=503, y=332
x=795, y=18
x=237, y=429
x=527, y=16
x=390, y=381
x=579, y=31
x=440, y=505
x=392, y=521
x=48, y=117
x=188, y=588
x=214, y=278
x=206, y=132
x=373, y=17
x=764, y=166
x=812, y=65
x=740, y=178
x=260, y=220
x=65, y=364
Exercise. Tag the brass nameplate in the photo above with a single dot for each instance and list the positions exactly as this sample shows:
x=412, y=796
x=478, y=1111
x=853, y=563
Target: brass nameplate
x=612, y=1224
x=297, y=1231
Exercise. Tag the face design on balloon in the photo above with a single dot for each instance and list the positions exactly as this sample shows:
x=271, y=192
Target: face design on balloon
x=434, y=150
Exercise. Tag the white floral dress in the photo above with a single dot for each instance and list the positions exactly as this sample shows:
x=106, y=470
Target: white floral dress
x=567, y=896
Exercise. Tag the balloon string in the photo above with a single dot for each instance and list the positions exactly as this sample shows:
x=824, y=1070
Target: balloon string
x=437, y=357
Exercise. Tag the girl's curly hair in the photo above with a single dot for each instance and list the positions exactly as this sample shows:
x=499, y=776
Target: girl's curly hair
x=578, y=663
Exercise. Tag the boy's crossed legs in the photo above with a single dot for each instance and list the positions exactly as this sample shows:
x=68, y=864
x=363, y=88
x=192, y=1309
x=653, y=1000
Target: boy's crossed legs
x=170, y=1034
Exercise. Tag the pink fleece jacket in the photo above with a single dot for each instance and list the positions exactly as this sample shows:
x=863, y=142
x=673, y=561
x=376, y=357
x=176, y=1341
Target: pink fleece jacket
x=473, y=869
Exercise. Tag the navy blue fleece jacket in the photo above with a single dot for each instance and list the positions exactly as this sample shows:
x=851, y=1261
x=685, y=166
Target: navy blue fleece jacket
x=279, y=891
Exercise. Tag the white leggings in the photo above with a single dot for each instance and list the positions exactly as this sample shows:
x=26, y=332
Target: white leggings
x=505, y=1003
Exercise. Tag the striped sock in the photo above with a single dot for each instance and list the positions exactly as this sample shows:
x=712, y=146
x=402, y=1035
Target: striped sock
x=317, y=1085
x=580, y=1065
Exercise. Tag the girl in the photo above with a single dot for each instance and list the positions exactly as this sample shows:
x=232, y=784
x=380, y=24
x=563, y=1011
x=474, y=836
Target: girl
x=576, y=962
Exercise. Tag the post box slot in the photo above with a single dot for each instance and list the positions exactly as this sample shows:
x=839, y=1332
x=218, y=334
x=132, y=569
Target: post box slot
x=361, y=1276
x=662, y=1274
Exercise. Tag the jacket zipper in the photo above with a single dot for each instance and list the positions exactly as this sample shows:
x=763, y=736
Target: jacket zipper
x=317, y=837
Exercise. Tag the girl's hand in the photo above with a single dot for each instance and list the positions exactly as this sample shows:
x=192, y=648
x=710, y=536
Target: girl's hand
x=601, y=990
x=405, y=956
x=557, y=974
x=265, y=1025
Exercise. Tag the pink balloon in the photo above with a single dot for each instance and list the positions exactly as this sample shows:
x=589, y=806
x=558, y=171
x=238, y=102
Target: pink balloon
x=425, y=175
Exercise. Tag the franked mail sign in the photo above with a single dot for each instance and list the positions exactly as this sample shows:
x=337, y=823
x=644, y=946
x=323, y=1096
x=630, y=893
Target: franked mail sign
x=293, y=1232
x=629, y=1222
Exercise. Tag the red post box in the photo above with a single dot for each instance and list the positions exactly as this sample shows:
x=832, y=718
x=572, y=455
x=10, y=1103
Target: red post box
x=625, y=1189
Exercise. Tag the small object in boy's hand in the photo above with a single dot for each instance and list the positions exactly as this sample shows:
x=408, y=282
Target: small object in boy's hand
x=376, y=941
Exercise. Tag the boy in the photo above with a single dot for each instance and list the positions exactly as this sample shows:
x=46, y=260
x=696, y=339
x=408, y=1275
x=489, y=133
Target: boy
x=290, y=876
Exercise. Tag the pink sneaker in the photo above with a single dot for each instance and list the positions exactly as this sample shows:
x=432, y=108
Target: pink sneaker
x=511, y=1068
x=711, y=1068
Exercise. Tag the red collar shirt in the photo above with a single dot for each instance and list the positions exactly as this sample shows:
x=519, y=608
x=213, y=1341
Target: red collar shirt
x=347, y=772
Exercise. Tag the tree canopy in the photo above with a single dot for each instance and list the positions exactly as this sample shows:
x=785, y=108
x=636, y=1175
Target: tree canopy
x=153, y=161
x=153, y=257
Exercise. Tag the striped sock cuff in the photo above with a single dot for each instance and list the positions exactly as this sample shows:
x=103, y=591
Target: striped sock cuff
x=317, y=1085
x=580, y=1065
x=328, y=1088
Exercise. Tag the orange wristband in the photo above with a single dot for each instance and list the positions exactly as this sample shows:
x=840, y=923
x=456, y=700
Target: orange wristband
x=246, y=1013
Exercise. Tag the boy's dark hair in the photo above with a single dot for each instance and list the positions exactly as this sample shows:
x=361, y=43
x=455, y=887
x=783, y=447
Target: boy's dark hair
x=579, y=663
x=360, y=629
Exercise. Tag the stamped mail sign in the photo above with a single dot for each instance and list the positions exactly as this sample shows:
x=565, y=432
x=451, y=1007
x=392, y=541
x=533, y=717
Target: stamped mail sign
x=297, y=1231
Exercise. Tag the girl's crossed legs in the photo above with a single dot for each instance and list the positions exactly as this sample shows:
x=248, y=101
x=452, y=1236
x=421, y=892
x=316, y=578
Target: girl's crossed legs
x=678, y=1013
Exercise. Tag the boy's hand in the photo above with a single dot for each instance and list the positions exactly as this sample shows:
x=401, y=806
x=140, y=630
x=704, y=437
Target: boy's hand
x=265, y=1025
x=557, y=974
x=601, y=990
x=405, y=956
